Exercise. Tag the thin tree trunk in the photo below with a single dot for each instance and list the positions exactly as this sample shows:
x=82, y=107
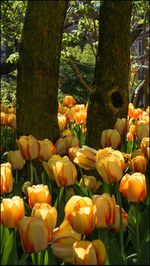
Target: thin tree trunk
x=110, y=97
x=38, y=69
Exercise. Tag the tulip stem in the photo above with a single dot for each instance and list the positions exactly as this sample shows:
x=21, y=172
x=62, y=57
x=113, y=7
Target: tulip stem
x=121, y=221
x=31, y=172
x=137, y=232
x=16, y=176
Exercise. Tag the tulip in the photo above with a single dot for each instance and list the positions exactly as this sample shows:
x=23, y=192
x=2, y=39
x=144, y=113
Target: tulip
x=69, y=101
x=121, y=126
x=138, y=164
x=63, y=144
x=6, y=179
x=90, y=183
x=105, y=205
x=63, y=238
x=110, y=138
x=11, y=120
x=110, y=164
x=4, y=118
x=64, y=171
x=28, y=146
x=4, y=108
x=15, y=159
x=142, y=130
x=62, y=121
x=72, y=153
x=145, y=146
x=81, y=213
x=12, y=211
x=133, y=187
x=80, y=117
x=34, y=234
x=86, y=157
x=47, y=213
x=46, y=150
x=116, y=225
x=89, y=253
x=38, y=194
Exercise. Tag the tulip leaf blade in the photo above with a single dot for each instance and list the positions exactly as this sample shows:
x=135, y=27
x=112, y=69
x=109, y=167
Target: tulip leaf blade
x=46, y=258
x=144, y=256
x=114, y=255
x=7, y=249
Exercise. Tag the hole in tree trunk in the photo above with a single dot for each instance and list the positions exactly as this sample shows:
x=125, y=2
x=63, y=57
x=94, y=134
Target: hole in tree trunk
x=116, y=99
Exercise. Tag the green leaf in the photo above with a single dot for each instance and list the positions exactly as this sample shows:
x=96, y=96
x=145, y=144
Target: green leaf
x=144, y=257
x=46, y=258
x=114, y=255
x=23, y=259
x=7, y=249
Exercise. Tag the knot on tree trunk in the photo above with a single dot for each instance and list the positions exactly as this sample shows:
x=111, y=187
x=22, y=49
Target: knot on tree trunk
x=117, y=99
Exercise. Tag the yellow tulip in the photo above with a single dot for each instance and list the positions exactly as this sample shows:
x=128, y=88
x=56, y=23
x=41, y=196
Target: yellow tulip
x=6, y=178
x=12, y=211
x=15, y=159
x=46, y=150
x=116, y=225
x=89, y=253
x=28, y=146
x=110, y=164
x=86, y=157
x=38, y=194
x=64, y=171
x=34, y=234
x=105, y=205
x=110, y=138
x=62, y=241
x=47, y=213
x=63, y=144
x=81, y=214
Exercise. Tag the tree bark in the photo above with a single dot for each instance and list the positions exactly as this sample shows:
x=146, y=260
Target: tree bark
x=38, y=69
x=110, y=97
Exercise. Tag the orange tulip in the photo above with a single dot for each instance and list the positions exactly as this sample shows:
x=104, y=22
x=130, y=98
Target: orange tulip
x=12, y=211
x=4, y=108
x=133, y=187
x=64, y=171
x=47, y=213
x=89, y=253
x=105, y=214
x=86, y=157
x=15, y=159
x=6, y=179
x=34, y=234
x=110, y=138
x=46, y=150
x=116, y=225
x=69, y=101
x=4, y=118
x=38, y=194
x=11, y=120
x=63, y=238
x=81, y=213
x=138, y=164
x=28, y=146
x=110, y=164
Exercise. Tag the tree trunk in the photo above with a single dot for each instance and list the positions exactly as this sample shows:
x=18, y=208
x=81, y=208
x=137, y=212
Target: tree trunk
x=110, y=97
x=38, y=69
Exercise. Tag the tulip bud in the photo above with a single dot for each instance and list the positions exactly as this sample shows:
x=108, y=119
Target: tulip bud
x=46, y=150
x=90, y=183
x=145, y=146
x=28, y=146
x=105, y=205
x=81, y=213
x=63, y=144
x=86, y=157
x=62, y=121
x=63, y=238
x=16, y=160
x=6, y=179
x=38, y=194
x=47, y=213
x=110, y=164
x=34, y=234
x=133, y=187
x=12, y=211
x=69, y=101
x=89, y=253
x=64, y=171
x=121, y=126
x=25, y=187
x=116, y=225
x=110, y=138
